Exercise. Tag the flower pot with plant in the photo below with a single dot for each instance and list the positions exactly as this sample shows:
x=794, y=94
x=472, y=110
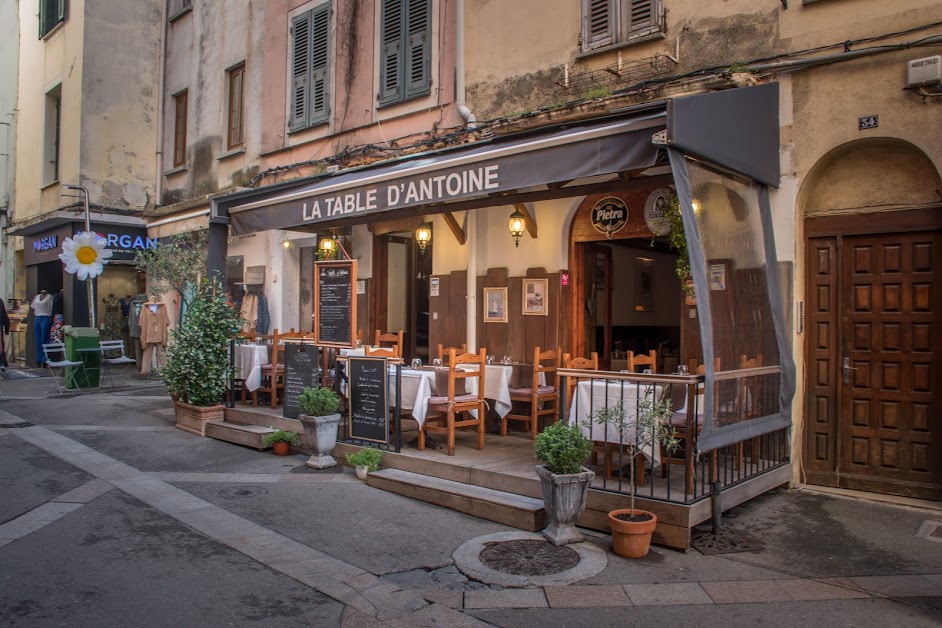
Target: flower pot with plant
x=321, y=420
x=564, y=480
x=632, y=528
x=365, y=460
x=197, y=366
x=280, y=441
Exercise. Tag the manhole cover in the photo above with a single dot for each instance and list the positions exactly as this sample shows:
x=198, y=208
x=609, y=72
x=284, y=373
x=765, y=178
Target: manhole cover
x=726, y=542
x=242, y=492
x=16, y=425
x=528, y=558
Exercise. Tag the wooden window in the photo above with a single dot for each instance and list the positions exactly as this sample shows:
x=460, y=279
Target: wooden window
x=179, y=128
x=310, y=37
x=51, y=13
x=236, y=79
x=52, y=135
x=406, y=50
x=610, y=22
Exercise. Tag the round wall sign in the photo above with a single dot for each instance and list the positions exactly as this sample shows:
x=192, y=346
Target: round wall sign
x=655, y=211
x=609, y=215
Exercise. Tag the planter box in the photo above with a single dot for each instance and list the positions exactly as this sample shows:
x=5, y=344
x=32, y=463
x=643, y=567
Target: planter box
x=193, y=419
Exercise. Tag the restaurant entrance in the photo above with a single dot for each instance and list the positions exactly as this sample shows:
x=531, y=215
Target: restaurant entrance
x=402, y=297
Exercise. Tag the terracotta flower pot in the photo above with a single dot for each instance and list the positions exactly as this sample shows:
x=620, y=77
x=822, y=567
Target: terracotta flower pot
x=281, y=448
x=631, y=539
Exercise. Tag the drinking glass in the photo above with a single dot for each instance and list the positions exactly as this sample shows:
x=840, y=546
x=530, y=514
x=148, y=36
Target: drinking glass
x=682, y=369
x=416, y=363
x=507, y=359
x=489, y=359
x=437, y=362
x=647, y=371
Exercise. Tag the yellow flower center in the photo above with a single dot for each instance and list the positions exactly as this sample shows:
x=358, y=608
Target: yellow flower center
x=86, y=255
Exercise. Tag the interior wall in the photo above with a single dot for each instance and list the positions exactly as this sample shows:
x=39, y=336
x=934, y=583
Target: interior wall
x=667, y=290
x=396, y=297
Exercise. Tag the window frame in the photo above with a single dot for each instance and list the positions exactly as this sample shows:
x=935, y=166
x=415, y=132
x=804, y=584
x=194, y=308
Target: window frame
x=414, y=35
x=309, y=79
x=607, y=24
x=180, y=114
x=52, y=140
x=235, y=119
x=47, y=22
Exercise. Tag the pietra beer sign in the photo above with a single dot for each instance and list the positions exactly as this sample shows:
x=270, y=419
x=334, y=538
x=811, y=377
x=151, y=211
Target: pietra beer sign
x=609, y=215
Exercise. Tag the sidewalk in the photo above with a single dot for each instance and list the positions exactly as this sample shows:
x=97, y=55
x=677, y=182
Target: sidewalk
x=393, y=561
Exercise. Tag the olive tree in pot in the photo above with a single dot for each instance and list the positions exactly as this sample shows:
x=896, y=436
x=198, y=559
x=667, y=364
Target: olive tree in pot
x=564, y=480
x=320, y=419
x=632, y=528
x=197, y=361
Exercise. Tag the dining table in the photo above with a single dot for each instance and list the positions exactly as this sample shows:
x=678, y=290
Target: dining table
x=416, y=389
x=499, y=380
x=593, y=395
x=248, y=360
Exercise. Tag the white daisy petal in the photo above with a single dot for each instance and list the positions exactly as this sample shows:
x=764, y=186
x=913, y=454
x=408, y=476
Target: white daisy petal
x=85, y=255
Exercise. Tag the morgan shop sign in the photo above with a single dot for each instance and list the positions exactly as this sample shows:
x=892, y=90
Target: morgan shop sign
x=124, y=242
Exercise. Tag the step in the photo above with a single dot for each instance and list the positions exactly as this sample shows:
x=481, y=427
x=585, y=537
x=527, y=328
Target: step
x=240, y=434
x=518, y=511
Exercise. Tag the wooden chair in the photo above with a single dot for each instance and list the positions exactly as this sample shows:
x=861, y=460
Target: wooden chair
x=382, y=352
x=678, y=421
x=443, y=352
x=391, y=339
x=585, y=364
x=273, y=373
x=545, y=363
x=641, y=360
x=749, y=404
x=447, y=408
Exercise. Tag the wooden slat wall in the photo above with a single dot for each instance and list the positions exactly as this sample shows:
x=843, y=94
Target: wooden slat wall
x=450, y=328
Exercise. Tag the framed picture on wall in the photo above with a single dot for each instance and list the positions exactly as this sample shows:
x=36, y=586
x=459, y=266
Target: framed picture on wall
x=495, y=305
x=644, y=284
x=534, y=297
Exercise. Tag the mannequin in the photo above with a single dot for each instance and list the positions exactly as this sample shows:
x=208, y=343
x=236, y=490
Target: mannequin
x=154, y=323
x=42, y=321
x=111, y=322
x=134, y=327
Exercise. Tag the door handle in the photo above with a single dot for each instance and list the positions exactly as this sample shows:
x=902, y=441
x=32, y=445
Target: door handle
x=847, y=369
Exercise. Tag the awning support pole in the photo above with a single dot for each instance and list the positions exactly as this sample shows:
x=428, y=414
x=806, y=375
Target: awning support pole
x=471, y=222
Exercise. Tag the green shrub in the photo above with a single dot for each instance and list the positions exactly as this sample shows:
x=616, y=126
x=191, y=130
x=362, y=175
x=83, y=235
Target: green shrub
x=318, y=401
x=281, y=436
x=368, y=457
x=563, y=448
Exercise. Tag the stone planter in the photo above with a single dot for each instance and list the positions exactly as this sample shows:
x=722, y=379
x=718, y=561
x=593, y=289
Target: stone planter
x=564, y=500
x=193, y=419
x=320, y=434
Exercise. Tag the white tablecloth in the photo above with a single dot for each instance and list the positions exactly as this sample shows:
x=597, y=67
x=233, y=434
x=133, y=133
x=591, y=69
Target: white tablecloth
x=248, y=361
x=416, y=389
x=594, y=395
x=497, y=378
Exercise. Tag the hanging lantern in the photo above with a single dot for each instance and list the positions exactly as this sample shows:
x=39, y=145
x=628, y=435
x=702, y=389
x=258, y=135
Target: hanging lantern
x=328, y=248
x=517, y=226
x=423, y=235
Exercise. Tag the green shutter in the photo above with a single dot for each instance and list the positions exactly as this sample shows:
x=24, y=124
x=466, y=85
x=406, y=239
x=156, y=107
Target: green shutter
x=598, y=24
x=418, y=45
x=320, y=33
x=60, y=12
x=300, y=70
x=391, y=33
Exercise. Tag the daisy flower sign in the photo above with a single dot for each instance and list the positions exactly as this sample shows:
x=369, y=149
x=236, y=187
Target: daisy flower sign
x=85, y=254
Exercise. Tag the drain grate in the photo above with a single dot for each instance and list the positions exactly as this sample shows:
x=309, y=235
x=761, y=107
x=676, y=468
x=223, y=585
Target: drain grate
x=930, y=531
x=242, y=492
x=726, y=542
x=528, y=558
x=15, y=425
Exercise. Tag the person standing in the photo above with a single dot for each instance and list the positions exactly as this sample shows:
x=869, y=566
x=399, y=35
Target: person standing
x=4, y=330
x=42, y=323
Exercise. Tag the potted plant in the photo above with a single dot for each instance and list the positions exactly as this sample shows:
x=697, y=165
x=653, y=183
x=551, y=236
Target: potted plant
x=280, y=441
x=365, y=460
x=197, y=361
x=320, y=419
x=564, y=480
x=632, y=528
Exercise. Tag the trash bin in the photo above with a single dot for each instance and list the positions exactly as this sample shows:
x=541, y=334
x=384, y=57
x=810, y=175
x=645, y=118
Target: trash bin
x=83, y=338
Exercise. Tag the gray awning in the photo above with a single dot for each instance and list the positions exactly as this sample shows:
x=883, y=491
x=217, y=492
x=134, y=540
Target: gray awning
x=447, y=178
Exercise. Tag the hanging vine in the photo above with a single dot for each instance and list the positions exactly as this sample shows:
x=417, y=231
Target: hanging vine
x=678, y=241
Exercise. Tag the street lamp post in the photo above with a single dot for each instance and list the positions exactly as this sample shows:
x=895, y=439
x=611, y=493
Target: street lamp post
x=88, y=228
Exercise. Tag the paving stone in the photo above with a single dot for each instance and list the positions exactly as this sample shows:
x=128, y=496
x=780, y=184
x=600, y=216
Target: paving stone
x=575, y=596
x=510, y=598
x=844, y=583
x=667, y=594
x=743, y=592
x=807, y=590
x=899, y=586
x=441, y=615
x=85, y=493
x=446, y=597
x=415, y=579
x=5, y=541
x=35, y=519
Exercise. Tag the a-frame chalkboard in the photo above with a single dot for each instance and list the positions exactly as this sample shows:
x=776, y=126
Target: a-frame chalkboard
x=301, y=362
x=369, y=407
x=335, y=306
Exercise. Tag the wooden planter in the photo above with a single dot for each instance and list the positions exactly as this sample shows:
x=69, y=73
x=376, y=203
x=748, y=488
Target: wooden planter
x=193, y=419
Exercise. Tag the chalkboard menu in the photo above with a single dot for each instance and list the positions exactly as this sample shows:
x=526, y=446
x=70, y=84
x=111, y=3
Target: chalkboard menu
x=301, y=362
x=369, y=408
x=335, y=313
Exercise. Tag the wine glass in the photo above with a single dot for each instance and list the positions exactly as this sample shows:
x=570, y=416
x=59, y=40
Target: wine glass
x=682, y=369
x=507, y=359
x=437, y=362
x=489, y=359
x=416, y=363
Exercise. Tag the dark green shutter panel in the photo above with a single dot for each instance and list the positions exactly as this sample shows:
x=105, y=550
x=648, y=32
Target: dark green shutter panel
x=598, y=29
x=643, y=17
x=419, y=62
x=320, y=32
x=390, y=72
x=300, y=70
x=60, y=12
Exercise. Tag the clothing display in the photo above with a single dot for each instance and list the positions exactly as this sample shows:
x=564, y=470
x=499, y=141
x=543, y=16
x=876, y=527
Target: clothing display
x=134, y=328
x=112, y=321
x=249, y=312
x=154, y=323
x=254, y=311
x=56, y=333
x=42, y=323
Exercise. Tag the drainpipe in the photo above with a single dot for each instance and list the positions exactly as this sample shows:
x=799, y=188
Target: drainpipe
x=460, y=103
x=161, y=71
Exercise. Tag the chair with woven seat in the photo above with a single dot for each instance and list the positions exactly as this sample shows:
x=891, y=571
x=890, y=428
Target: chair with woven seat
x=389, y=339
x=443, y=352
x=648, y=361
x=445, y=411
x=539, y=400
x=64, y=371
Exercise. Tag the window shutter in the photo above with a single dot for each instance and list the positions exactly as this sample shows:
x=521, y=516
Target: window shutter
x=598, y=28
x=320, y=33
x=644, y=18
x=419, y=48
x=390, y=73
x=300, y=70
x=60, y=12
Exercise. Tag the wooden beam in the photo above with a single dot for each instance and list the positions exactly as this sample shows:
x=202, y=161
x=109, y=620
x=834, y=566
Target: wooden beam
x=454, y=226
x=527, y=218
